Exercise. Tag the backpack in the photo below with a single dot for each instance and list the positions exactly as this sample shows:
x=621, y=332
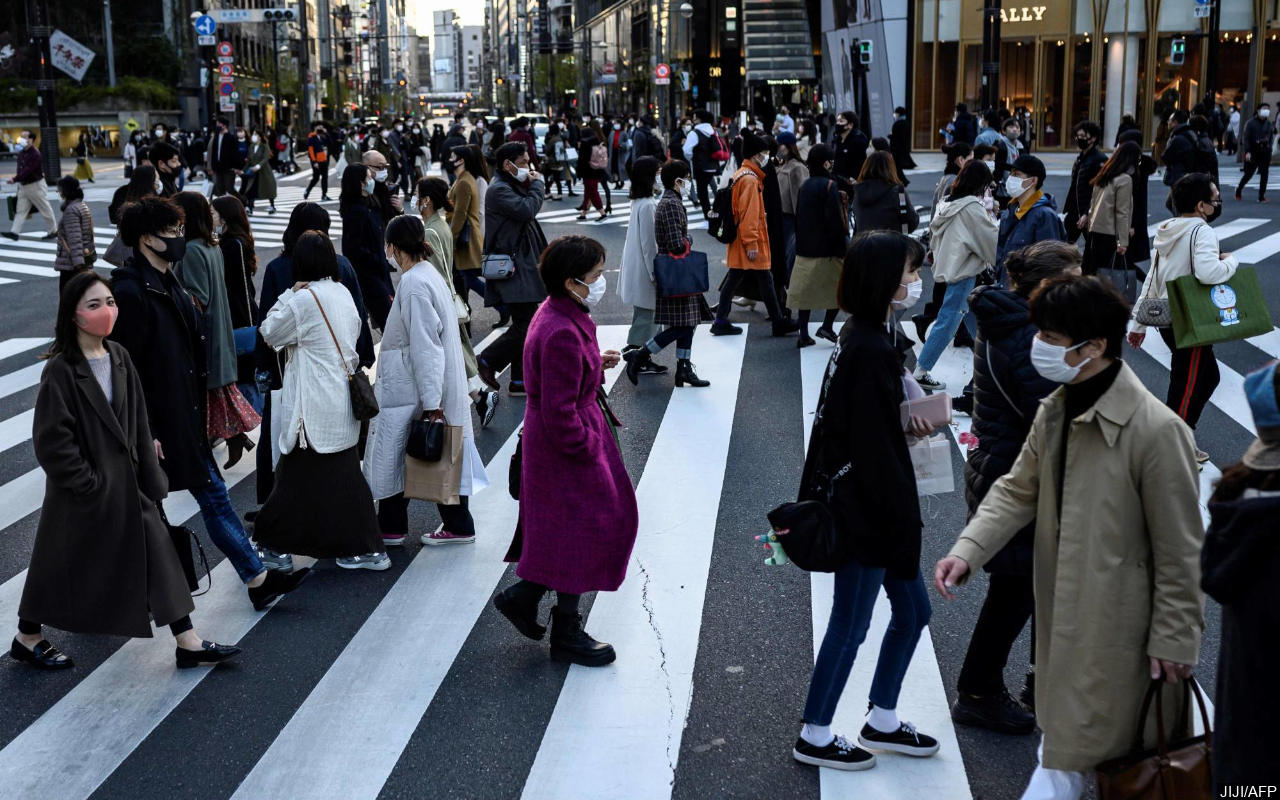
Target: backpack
x=599, y=157
x=719, y=150
x=721, y=223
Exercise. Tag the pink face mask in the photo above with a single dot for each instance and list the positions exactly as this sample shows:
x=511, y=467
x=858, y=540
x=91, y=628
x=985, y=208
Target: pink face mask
x=99, y=321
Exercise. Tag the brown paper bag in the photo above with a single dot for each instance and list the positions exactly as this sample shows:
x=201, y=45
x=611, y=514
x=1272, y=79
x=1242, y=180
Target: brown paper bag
x=437, y=481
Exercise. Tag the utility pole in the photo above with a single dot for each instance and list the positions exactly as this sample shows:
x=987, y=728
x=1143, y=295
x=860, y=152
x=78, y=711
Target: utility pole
x=990, y=96
x=304, y=66
x=111, y=50
x=275, y=70
x=1211, y=67
x=39, y=30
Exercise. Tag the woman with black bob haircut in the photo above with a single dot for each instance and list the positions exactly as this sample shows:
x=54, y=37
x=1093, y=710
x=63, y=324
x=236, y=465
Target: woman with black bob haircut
x=421, y=375
x=859, y=466
x=822, y=239
x=320, y=505
x=578, y=518
x=103, y=562
x=362, y=241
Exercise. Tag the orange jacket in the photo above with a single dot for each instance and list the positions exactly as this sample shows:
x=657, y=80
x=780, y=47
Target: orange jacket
x=748, y=210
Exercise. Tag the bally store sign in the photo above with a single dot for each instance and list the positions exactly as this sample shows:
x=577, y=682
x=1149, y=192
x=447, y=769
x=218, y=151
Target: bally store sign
x=1039, y=19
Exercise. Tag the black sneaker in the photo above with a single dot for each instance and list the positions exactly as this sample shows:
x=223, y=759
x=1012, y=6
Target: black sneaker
x=840, y=753
x=963, y=404
x=651, y=368
x=997, y=712
x=1028, y=694
x=719, y=328
x=486, y=407
x=906, y=740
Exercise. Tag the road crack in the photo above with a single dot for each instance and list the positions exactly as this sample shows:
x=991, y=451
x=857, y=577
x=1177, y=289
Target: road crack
x=647, y=602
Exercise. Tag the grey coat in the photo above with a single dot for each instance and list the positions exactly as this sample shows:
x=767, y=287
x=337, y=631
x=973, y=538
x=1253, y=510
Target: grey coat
x=511, y=227
x=201, y=271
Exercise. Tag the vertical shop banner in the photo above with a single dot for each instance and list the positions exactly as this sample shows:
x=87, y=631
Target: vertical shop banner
x=69, y=55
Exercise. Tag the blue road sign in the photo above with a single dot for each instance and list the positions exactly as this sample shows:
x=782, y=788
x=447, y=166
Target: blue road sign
x=206, y=25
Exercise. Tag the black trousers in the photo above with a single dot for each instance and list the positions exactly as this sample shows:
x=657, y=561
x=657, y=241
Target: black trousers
x=319, y=174
x=1259, y=165
x=682, y=335
x=393, y=516
x=29, y=628
x=764, y=281
x=702, y=183
x=508, y=349
x=1193, y=375
x=1010, y=603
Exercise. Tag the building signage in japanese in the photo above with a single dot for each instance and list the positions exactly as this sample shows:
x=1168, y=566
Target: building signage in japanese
x=69, y=55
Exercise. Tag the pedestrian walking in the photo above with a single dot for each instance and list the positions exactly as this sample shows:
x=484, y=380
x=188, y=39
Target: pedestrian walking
x=880, y=200
x=900, y=142
x=1007, y=392
x=706, y=153
x=578, y=516
x=1188, y=245
x=965, y=125
x=1139, y=248
x=511, y=228
x=168, y=165
x=385, y=193
x=162, y=331
x=318, y=156
x=858, y=465
x=129, y=153
x=554, y=160
x=593, y=160
x=320, y=505
x=822, y=238
x=103, y=561
x=1110, y=219
x=362, y=242
x=1256, y=142
x=1240, y=554
x=76, y=250
x=202, y=272
x=850, y=145
x=1083, y=170
x=240, y=264
x=1108, y=474
x=1231, y=142
x=748, y=254
x=29, y=176
x=83, y=152
x=1031, y=216
x=464, y=219
x=676, y=316
x=224, y=159
x=259, y=175
x=1179, y=154
x=792, y=173
x=637, y=285
x=421, y=375
x=520, y=133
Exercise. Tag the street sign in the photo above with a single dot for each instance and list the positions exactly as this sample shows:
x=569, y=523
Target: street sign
x=255, y=93
x=226, y=79
x=226, y=60
x=206, y=41
x=225, y=104
x=206, y=25
x=225, y=70
x=237, y=16
x=1202, y=12
x=235, y=96
x=662, y=75
x=69, y=55
x=132, y=125
x=227, y=88
x=224, y=48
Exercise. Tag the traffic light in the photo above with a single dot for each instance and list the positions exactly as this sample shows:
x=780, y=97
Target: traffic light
x=278, y=15
x=864, y=51
x=402, y=82
x=1178, y=51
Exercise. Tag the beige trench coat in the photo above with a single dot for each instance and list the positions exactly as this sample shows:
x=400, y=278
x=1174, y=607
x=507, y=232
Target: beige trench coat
x=1118, y=579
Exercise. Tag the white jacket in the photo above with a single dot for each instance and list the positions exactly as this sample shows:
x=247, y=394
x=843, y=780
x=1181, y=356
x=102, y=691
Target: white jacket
x=314, y=402
x=1174, y=258
x=964, y=239
x=638, y=252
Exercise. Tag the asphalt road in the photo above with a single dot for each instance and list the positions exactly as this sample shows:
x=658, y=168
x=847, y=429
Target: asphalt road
x=406, y=684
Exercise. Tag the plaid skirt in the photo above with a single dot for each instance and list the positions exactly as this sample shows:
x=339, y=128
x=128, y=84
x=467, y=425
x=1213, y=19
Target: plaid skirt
x=671, y=312
x=229, y=413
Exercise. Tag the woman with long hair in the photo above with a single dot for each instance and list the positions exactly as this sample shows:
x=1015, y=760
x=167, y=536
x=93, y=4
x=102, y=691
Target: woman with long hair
x=202, y=271
x=143, y=183
x=362, y=241
x=591, y=176
x=1110, y=221
x=464, y=216
x=240, y=261
x=880, y=200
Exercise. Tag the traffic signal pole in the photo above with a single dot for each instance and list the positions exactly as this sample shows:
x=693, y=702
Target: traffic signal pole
x=38, y=26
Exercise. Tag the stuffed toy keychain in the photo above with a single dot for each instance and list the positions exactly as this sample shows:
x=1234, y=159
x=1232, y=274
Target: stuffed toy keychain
x=777, y=556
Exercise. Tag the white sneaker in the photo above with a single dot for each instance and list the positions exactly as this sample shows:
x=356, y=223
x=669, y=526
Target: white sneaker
x=280, y=562
x=373, y=561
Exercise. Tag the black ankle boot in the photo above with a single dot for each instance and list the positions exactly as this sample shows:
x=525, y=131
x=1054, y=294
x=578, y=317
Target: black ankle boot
x=520, y=605
x=636, y=359
x=570, y=643
x=997, y=712
x=236, y=447
x=685, y=374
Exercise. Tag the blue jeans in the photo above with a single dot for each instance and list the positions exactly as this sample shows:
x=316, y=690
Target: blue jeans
x=789, y=238
x=224, y=526
x=955, y=307
x=857, y=587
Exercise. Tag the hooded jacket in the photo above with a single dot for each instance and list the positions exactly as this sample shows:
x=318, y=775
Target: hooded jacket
x=876, y=207
x=1041, y=222
x=697, y=148
x=963, y=239
x=1184, y=246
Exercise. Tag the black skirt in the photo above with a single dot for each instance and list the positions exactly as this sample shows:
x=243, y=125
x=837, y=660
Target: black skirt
x=320, y=506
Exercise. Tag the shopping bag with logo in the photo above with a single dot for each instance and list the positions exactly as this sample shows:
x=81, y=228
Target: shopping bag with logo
x=931, y=458
x=437, y=481
x=1224, y=312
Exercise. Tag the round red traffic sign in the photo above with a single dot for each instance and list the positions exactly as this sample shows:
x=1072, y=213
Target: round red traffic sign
x=662, y=71
x=225, y=70
x=227, y=88
x=224, y=48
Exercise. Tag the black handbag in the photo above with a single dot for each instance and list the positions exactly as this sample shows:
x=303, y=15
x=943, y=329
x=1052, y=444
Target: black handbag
x=426, y=439
x=364, y=403
x=513, y=470
x=807, y=531
x=183, y=538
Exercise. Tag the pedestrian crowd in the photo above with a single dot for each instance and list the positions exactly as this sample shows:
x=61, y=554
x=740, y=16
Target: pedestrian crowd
x=1082, y=487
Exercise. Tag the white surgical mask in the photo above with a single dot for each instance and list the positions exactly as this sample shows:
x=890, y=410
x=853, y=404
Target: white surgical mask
x=368, y=186
x=159, y=186
x=399, y=127
x=1050, y=360
x=1014, y=186
x=256, y=138
x=159, y=131
x=522, y=174
x=380, y=176
x=386, y=134
x=764, y=162
x=617, y=126
x=1264, y=112
x=914, y=290
x=595, y=291
x=688, y=128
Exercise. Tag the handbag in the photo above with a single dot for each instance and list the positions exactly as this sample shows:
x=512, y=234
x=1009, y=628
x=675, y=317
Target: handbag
x=426, y=439
x=437, y=481
x=807, y=531
x=1178, y=770
x=116, y=252
x=931, y=460
x=513, y=469
x=599, y=157
x=1154, y=312
x=570, y=153
x=183, y=538
x=499, y=266
x=1204, y=315
x=364, y=404
x=1120, y=277
x=683, y=275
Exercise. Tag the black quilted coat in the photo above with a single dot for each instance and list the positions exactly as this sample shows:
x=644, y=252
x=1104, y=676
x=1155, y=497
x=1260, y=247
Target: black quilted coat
x=1002, y=360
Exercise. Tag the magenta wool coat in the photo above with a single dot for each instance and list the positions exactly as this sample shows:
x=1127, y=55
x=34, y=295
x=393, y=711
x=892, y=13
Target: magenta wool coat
x=577, y=505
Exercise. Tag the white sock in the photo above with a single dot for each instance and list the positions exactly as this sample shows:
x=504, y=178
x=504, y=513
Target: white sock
x=817, y=735
x=884, y=720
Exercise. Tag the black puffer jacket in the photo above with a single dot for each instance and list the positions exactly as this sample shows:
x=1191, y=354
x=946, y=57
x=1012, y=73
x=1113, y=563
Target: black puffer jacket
x=1002, y=360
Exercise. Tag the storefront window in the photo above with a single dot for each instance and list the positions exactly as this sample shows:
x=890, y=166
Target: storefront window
x=1271, y=65
x=1049, y=116
x=1081, y=80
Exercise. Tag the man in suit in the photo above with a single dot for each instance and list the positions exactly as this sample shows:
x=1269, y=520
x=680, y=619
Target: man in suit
x=224, y=159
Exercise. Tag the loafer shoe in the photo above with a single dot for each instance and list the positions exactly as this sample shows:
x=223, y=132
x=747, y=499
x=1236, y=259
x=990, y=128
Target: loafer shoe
x=42, y=656
x=209, y=653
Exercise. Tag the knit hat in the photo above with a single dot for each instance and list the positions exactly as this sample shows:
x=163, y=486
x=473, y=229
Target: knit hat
x=1031, y=166
x=752, y=145
x=1260, y=390
x=786, y=138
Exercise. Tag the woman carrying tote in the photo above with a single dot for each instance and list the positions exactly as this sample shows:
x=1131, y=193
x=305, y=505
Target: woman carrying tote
x=1111, y=221
x=320, y=505
x=420, y=373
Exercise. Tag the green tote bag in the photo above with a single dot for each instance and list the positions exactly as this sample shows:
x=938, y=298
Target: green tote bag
x=1223, y=312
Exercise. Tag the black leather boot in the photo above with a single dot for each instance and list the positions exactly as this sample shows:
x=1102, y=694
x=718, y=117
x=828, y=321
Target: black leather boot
x=636, y=359
x=570, y=643
x=519, y=604
x=685, y=374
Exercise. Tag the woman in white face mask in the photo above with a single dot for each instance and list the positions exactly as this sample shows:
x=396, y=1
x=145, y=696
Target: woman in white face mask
x=859, y=466
x=577, y=505
x=637, y=286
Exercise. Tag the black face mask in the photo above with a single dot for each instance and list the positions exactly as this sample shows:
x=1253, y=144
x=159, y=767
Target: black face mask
x=175, y=247
x=1083, y=144
x=1217, y=212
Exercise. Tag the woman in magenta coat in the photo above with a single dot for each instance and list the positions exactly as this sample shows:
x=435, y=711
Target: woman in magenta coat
x=578, y=516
